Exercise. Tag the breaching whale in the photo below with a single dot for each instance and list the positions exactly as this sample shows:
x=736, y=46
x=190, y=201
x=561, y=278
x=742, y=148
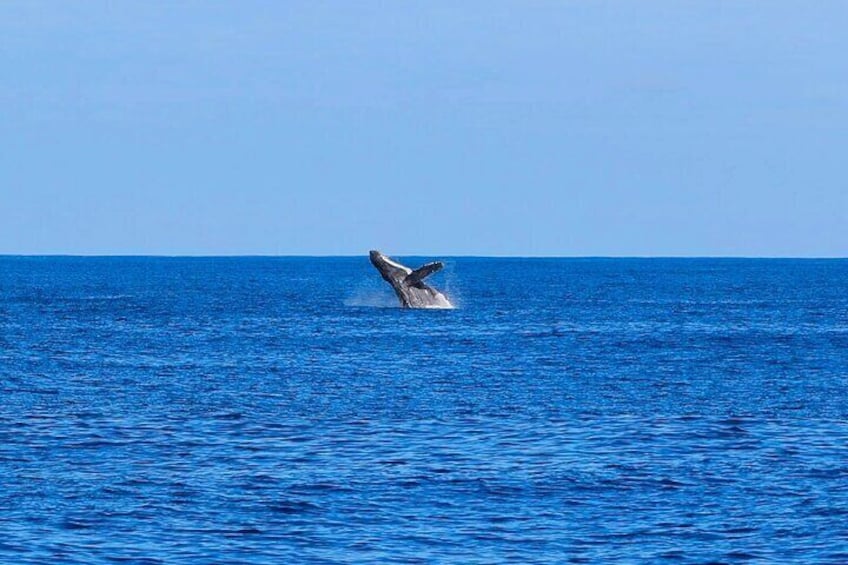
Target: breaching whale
x=409, y=284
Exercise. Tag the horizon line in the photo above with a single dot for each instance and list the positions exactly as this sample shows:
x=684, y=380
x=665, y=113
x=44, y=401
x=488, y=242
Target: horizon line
x=435, y=255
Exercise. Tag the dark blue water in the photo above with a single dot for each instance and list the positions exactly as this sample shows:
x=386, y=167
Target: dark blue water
x=266, y=410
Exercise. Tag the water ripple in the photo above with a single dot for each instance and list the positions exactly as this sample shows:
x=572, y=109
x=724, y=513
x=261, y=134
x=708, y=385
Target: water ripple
x=235, y=410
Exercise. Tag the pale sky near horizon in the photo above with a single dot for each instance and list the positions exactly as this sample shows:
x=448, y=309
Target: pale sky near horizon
x=658, y=128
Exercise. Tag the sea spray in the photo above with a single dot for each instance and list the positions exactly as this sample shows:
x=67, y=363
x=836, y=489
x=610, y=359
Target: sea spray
x=371, y=298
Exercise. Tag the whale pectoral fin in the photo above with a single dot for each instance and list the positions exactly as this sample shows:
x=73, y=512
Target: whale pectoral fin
x=423, y=272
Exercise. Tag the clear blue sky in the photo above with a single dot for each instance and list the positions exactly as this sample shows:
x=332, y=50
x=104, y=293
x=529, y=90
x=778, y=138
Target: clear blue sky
x=433, y=127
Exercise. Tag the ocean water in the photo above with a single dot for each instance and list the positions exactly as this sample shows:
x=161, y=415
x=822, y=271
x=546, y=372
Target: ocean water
x=280, y=410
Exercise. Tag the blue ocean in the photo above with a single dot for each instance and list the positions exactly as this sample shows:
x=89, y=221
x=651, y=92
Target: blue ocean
x=285, y=410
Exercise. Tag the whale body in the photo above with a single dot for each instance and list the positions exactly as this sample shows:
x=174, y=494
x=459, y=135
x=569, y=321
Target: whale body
x=408, y=283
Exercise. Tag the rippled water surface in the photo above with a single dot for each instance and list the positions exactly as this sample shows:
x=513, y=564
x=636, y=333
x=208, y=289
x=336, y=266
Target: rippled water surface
x=275, y=410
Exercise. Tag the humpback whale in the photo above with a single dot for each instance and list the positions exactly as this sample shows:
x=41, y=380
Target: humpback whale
x=408, y=284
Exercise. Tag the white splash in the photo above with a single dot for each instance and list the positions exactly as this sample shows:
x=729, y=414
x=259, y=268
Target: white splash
x=380, y=299
x=441, y=303
x=371, y=299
